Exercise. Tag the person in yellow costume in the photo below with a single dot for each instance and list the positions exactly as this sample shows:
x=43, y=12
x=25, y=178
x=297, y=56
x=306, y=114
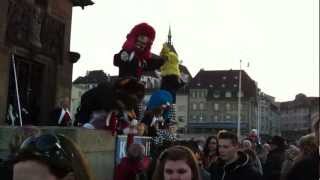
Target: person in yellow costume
x=170, y=72
x=170, y=77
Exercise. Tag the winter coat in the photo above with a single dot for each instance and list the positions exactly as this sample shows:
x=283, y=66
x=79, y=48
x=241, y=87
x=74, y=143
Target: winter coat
x=273, y=165
x=305, y=169
x=130, y=169
x=240, y=169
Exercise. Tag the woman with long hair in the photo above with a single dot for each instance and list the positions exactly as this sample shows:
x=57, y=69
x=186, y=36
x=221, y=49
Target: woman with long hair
x=177, y=162
x=210, y=151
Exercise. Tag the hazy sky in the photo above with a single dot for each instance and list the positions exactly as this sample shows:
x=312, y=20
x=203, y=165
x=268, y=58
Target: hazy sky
x=280, y=38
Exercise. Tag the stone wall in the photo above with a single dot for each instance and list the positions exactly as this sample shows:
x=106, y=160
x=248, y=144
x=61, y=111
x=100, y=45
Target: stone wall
x=98, y=147
x=38, y=33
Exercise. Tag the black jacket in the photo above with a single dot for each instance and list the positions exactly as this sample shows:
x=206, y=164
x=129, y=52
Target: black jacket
x=240, y=169
x=305, y=169
x=273, y=165
x=129, y=67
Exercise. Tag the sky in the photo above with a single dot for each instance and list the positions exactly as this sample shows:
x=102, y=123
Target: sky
x=278, y=38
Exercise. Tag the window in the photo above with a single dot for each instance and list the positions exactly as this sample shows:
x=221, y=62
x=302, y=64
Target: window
x=235, y=77
x=228, y=94
x=216, y=95
x=182, y=108
x=193, y=94
x=241, y=94
x=216, y=106
x=194, y=106
x=181, y=118
x=200, y=118
x=223, y=85
x=228, y=106
x=235, y=85
x=201, y=106
x=215, y=118
x=228, y=117
x=224, y=77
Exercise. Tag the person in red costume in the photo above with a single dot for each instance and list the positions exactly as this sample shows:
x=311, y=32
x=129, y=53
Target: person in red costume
x=135, y=56
x=134, y=165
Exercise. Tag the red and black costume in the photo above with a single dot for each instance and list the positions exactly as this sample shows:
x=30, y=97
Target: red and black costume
x=133, y=61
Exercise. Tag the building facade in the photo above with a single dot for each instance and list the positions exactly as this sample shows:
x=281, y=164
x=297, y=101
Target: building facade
x=268, y=116
x=213, y=102
x=296, y=116
x=35, y=58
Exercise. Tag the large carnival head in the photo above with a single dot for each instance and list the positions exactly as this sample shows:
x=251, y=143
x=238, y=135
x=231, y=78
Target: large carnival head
x=127, y=93
x=160, y=102
x=165, y=50
x=140, y=40
x=169, y=54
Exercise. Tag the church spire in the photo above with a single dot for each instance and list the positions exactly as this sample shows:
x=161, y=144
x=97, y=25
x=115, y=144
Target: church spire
x=169, y=36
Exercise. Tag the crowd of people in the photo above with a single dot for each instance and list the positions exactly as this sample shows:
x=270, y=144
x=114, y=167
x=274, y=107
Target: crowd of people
x=49, y=156
x=117, y=108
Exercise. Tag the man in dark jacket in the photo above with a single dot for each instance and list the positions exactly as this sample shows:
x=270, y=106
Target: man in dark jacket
x=273, y=165
x=232, y=164
x=308, y=168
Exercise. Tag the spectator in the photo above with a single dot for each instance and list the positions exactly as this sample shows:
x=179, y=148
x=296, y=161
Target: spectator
x=50, y=156
x=177, y=162
x=61, y=115
x=273, y=165
x=232, y=163
x=247, y=148
x=290, y=156
x=19, y=135
x=205, y=175
x=210, y=151
x=133, y=166
x=263, y=153
x=306, y=166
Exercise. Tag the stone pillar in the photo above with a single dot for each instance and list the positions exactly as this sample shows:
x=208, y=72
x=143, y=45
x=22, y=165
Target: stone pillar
x=4, y=61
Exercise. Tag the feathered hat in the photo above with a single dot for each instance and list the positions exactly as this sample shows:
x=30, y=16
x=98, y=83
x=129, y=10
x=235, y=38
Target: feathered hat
x=140, y=29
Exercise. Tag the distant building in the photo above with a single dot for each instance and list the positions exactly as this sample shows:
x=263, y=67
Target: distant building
x=213, y=102
x=296, y=116
x=269, y=114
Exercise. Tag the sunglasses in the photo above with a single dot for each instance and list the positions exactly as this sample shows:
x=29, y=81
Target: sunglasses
x=47, y=147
